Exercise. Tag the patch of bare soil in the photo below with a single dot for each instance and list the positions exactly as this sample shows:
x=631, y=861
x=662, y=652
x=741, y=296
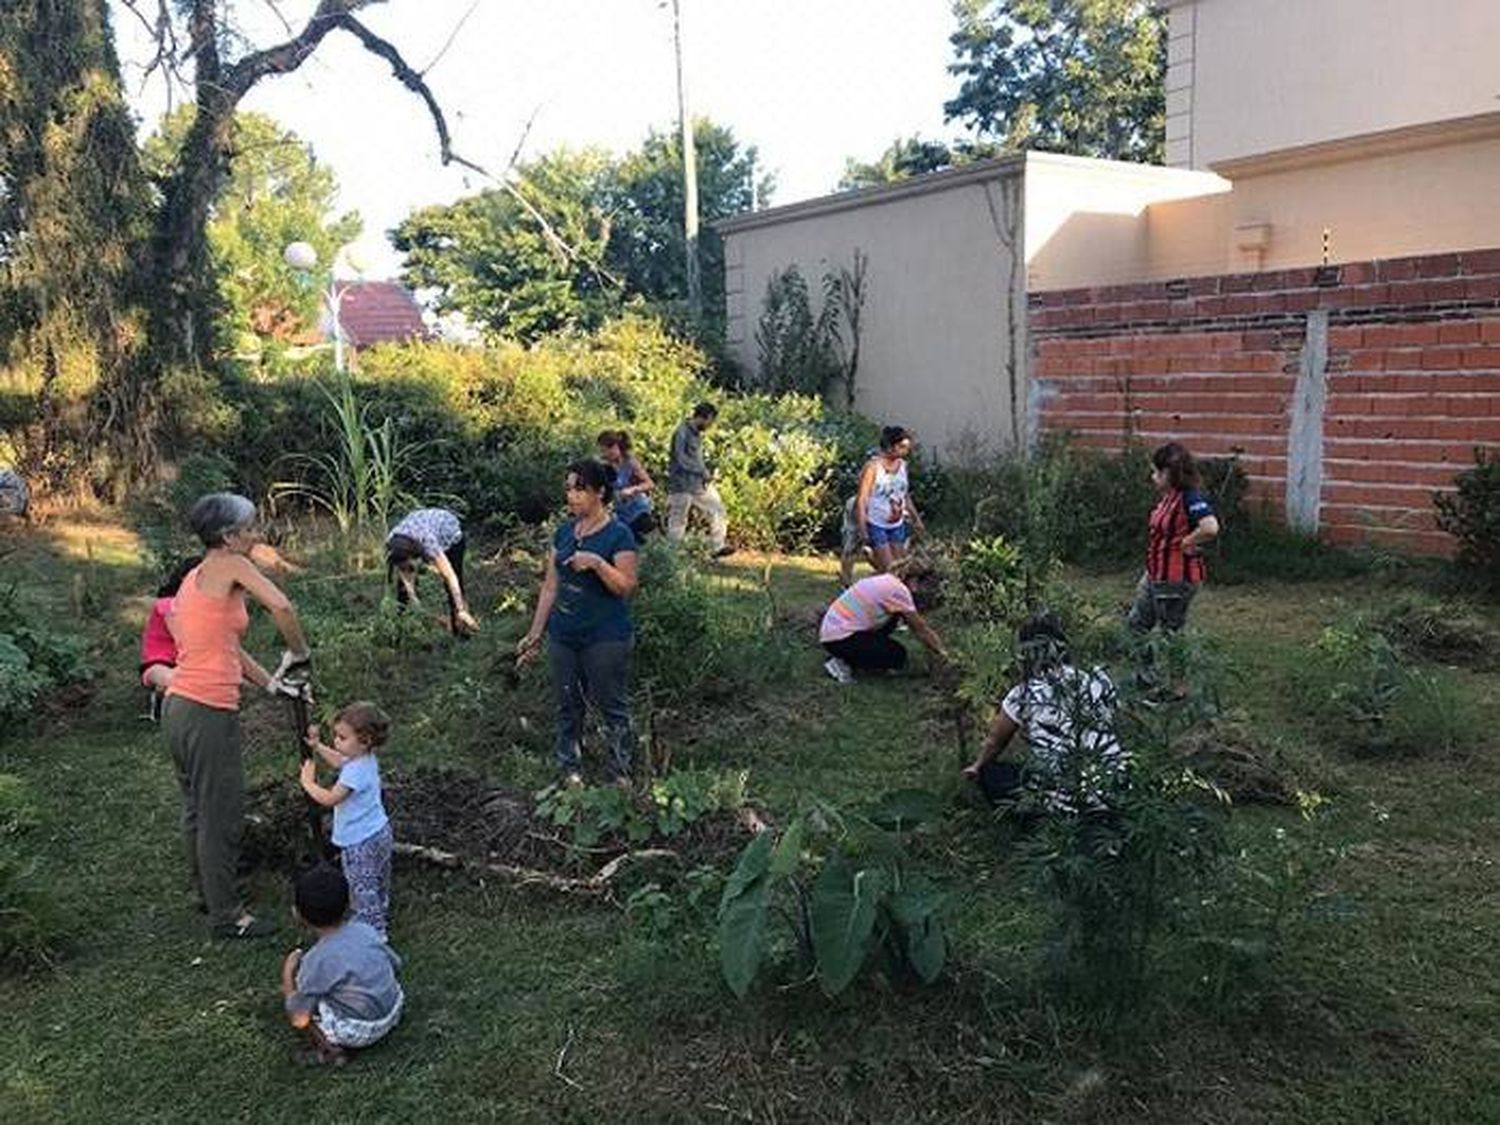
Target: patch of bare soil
x=458, y=820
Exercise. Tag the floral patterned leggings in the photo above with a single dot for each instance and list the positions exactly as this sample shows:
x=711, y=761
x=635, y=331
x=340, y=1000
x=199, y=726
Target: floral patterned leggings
x=367, y=870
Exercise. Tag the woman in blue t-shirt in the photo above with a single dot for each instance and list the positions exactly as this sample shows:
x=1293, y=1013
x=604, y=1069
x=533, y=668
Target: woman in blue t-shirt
x=632, y=484
x=582, y=610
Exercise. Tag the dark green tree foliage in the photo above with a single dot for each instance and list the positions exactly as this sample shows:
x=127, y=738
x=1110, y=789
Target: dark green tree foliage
x=1075, y=76
x=647, y=247
x=276, y=193
x=516, y=272
x=913, y=156
x=74, y=209
x=612, y=233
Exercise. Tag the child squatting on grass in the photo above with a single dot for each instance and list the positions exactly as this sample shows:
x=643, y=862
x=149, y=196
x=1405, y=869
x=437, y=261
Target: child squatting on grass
x=343, y=991
x=361, y=829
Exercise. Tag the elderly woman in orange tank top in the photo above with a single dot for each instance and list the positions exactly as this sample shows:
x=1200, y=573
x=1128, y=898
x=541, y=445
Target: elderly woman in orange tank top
x=208, y=620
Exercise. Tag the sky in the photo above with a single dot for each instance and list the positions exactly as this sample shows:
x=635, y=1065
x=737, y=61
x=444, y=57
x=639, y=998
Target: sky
x=808, y=82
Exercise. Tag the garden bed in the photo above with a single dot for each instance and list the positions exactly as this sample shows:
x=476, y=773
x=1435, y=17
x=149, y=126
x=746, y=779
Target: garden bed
x=457, y=820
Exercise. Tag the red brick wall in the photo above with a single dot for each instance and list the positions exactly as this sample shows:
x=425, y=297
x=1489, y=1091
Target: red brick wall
x=1413, y=380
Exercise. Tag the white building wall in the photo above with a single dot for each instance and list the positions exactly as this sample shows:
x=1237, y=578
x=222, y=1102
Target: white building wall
x=944, y=280
x=1250, y=77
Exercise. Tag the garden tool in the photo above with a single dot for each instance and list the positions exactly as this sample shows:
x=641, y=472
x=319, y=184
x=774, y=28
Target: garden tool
x=293, y=683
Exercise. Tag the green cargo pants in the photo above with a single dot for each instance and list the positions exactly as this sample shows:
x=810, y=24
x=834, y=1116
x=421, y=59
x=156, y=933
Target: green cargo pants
x=205, y=743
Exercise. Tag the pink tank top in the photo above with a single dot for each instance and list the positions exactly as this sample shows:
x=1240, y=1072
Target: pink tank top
x=157, y=645
x=207, y=630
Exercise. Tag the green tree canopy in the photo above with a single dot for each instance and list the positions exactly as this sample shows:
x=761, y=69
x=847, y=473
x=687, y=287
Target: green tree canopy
x=599, y=232
x=275, y=193
x=647, y=247
x=74, y=226
x=913, y=156
x=521, y=270
x=1076, y=76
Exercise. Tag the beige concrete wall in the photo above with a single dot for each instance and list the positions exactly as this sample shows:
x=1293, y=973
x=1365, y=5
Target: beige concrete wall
x=1248, y=77
x=943, y=288
x=1418, y=201
x=1085, y=219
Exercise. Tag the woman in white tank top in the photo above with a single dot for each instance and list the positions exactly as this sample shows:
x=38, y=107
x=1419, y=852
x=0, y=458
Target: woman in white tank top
x=883, y=508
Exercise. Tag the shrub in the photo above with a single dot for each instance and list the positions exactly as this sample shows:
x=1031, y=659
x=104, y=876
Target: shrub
x=992, y=579
x=674, y=803
x=1367, y=699
x=1073, y=503
x=33, y=661
x=1152, y=879
x=159, y=513
x=497, y=426
x=844, y=884
x=1112, y=880
x=1260, y=546
x=1471, y=514
x=692, y=644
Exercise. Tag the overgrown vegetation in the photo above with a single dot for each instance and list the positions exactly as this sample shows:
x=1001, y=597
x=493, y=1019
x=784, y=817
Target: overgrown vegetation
x=1240, y=948
x=30, y=932
x=1471, y=514
x=491, y=431
x=1369, y=699
x=812, y=353
x=35, y=660
x=842, y=881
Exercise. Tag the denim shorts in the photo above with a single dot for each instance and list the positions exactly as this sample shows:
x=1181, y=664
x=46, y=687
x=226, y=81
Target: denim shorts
x=888, y=536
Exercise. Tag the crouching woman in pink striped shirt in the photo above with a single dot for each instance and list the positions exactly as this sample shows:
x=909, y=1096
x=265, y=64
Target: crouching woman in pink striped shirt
x=856, y=630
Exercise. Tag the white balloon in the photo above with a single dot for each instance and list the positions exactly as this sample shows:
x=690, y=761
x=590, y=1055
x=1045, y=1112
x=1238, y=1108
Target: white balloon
x=300, y=255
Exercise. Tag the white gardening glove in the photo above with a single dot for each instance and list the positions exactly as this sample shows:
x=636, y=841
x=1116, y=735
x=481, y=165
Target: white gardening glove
x=291, y=674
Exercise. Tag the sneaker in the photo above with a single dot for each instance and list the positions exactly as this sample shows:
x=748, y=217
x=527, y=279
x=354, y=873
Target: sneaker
x=246, y=928
x=839, y=670
x=573, y=781
x=724, y=552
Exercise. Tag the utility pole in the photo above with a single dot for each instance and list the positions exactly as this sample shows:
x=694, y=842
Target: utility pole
x=689, y=175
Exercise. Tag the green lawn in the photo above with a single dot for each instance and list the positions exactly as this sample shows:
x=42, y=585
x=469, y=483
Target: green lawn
x=529, y=1006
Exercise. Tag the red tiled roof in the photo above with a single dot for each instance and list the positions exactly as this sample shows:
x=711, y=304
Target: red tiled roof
x=377, y=312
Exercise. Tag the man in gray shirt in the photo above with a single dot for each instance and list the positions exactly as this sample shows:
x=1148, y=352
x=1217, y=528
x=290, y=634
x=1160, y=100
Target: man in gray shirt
x=690, y=484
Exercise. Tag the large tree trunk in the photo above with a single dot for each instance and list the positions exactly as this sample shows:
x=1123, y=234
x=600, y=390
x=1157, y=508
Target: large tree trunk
x=182, y=327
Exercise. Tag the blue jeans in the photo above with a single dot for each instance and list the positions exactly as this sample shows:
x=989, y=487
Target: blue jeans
x=597, y=673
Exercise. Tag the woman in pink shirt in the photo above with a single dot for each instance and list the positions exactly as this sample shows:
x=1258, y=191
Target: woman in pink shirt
x=856, y=630
x=201, y=716
x=158, y=649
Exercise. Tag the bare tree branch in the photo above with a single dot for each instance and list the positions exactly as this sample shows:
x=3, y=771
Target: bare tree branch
x=163, y=33
x=515, y=156
x=287, y=56
x=452, y=36
x=413, y=82
x=276, y=8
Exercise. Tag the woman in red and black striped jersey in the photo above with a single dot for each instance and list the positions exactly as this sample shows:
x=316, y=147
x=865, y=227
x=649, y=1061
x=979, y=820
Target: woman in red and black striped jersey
x=1182, y=521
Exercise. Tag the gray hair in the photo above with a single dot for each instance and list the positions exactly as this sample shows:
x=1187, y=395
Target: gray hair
x=218, y=515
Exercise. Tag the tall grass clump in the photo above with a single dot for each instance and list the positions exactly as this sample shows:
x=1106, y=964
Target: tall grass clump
x=1366, y=698
x=30, y=930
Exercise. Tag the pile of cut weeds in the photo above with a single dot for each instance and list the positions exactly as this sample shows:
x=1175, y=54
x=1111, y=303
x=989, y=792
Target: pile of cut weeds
x=1451, y=633
x=461, y=819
